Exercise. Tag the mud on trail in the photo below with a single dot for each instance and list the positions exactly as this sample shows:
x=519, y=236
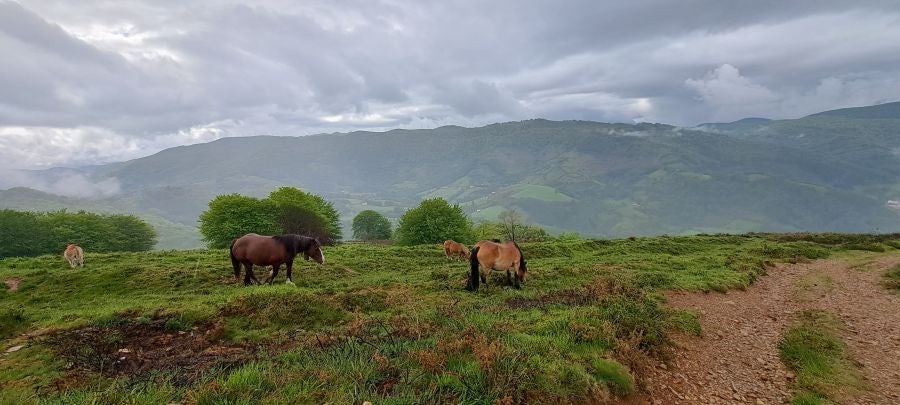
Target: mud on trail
x=736, y=360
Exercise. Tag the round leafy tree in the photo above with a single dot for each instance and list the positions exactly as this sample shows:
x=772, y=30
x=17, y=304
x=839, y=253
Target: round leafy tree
x=306, y=214
x=370, y=225
x=434, y=221
x=231, y=216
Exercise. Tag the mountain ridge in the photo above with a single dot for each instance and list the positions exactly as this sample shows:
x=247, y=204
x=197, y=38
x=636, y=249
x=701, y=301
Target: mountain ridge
x=816, y=173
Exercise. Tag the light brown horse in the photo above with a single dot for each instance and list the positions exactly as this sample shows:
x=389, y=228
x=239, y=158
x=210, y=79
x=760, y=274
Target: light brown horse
x=74, y=255
x=453, y=249
x=252, y=249
x=490, y=255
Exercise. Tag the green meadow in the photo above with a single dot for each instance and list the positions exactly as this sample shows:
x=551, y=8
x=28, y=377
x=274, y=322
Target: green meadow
x=383, y=324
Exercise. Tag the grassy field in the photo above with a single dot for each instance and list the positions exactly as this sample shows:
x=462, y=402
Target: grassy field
x=376, y=323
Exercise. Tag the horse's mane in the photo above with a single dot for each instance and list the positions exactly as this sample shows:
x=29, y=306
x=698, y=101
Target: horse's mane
x=521, y=255
x=292, y=242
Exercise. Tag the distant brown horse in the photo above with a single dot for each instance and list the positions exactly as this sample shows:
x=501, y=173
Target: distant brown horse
x=455, y=250
x=490, y=255
x=252, y=249
x=74, y=255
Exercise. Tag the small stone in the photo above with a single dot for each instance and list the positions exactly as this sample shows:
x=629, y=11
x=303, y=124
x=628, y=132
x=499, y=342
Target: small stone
x=126, y=350
x=15, y=348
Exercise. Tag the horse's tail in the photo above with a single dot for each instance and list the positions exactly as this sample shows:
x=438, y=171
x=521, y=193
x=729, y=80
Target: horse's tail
x=234, y=261
x=474, y=277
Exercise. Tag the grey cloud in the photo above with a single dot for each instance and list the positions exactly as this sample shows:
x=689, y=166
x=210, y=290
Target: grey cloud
x=137, y=76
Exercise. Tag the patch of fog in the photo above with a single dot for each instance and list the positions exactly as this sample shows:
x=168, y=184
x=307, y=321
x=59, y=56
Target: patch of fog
x=66, y=183
x=896, y=151
x=624, y=132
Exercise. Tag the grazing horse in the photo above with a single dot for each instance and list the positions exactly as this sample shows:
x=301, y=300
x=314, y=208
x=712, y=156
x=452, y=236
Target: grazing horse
x=74, y=255
x=455, y=249
x=252, y=249
x=490, y=255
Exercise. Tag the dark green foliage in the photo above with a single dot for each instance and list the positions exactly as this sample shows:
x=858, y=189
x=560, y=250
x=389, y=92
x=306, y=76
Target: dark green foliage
x=231, y=216
x=170, y=234
x=23, y=234
x=434, y=221
x=32, y=234
x=370, y=225
x=306, y=214
x=286, y=210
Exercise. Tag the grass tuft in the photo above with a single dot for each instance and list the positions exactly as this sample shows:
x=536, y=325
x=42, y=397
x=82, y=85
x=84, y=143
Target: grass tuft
x=892, y=278
x=814, y=351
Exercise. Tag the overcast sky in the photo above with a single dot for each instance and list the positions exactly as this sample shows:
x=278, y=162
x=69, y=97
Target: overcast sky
x=98, y=81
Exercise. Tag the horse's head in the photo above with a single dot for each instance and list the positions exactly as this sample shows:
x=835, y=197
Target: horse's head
x=522, y=271
x=314, y=251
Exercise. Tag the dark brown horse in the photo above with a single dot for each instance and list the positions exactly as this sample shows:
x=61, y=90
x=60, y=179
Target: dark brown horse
x=490, y=255
x=252, y=249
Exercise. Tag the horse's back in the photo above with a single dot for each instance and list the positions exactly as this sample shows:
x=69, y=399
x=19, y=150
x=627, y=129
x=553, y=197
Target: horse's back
x=497, y=254
x=258, y=249
x=74, y=255
x=453, y=246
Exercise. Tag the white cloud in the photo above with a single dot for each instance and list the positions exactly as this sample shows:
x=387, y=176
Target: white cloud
x=731, y=96
x=70, y=184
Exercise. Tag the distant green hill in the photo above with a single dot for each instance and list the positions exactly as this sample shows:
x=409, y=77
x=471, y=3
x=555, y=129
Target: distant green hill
x=833, y=171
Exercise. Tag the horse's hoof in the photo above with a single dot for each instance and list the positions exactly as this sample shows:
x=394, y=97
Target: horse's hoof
x=290, y=283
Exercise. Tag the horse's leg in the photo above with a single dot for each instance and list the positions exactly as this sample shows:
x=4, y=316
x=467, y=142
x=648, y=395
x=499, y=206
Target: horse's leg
x=248, y=273
x=253, y=276
x=485, y=272
x=290, y=266
x=508, y=278
x=274, y=273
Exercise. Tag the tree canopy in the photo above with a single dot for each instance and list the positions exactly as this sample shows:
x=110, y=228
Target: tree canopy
x=307, y=214
x=32, y=234
x=370, y=225
x=230, y=216
x=434, y=221
x=285, y=210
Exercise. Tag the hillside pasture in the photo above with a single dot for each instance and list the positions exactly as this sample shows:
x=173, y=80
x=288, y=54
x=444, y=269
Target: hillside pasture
x=376, y=323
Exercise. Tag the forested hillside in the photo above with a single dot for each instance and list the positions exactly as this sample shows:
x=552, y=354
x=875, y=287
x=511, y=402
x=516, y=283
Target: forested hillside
x=834, y=171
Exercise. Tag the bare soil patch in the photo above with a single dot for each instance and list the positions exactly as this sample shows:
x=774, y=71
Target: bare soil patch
x=12, y=284
x=137, y=348
x=736, y=358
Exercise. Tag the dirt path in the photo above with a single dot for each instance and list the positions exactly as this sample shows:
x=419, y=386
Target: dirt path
x=736, y=360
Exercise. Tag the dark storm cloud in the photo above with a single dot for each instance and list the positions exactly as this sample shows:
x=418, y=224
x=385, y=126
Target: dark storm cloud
x=119, y=79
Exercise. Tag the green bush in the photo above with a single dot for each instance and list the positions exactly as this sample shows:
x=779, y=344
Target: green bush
x=33, y=234
x=434, y=221
x=370, y=225
x=286, y=210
